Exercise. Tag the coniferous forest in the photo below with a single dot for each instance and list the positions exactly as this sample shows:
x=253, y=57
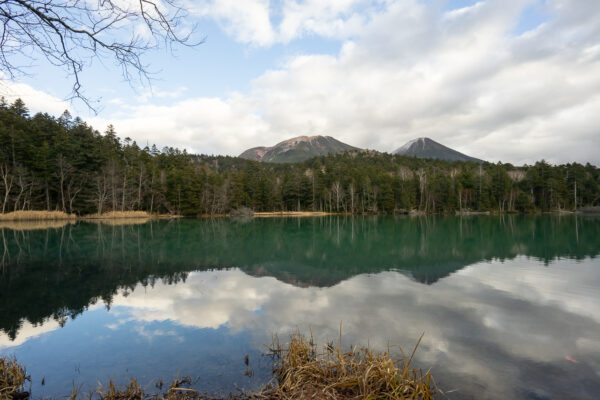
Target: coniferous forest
x=49, y=163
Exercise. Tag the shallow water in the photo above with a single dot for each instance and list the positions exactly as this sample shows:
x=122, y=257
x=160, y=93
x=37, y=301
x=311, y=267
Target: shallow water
x=510, y=305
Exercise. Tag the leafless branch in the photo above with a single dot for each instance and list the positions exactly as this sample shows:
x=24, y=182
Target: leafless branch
x=70, y=34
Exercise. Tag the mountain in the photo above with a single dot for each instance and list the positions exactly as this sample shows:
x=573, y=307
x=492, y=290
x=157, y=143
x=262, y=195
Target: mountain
x=297, y=149
x=427, y=148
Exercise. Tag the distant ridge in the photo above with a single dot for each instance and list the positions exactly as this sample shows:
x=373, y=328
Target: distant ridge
x=297, y=149
x=428, y=148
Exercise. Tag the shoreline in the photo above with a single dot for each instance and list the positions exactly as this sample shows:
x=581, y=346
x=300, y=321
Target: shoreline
x=40, y=216
x=301, y=369
x=59, y=216
x=127, y=215
x=270, y=214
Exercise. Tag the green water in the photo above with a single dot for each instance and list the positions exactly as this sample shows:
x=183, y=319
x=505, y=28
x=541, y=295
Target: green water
x=509, y=305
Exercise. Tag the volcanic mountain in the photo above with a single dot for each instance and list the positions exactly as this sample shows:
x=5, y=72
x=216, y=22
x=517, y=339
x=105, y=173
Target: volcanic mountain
x=427, y=148
x=297, y=149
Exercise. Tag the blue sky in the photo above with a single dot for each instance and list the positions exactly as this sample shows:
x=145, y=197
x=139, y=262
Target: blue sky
x=509, y=80
x=217, y=67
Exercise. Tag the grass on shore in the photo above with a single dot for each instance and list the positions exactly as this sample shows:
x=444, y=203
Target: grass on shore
x=12, y=379
x=61, y=216
x=292, y=214
x=29, y=225
x=301, y=371
x=36, y=216
x=119, y=215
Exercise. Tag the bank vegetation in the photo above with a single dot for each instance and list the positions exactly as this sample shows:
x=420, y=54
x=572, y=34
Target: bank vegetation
x=64, y=165
x=301, y=370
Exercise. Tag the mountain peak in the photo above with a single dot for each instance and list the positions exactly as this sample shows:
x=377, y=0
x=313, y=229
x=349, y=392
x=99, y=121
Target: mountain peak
x=297, y=149
x=424, y=147
x=421, y=142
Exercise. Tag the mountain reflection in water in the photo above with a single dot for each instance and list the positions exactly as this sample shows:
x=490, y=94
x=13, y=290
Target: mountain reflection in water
x=509, y=305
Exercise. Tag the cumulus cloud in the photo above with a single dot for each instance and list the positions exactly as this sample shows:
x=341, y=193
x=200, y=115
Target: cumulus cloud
x=264, y=22
x=334, y=19
x=462, y=77
x=503, y=326
x=246, y=20
x=28, y=331
x=34, y=99
x=506, y=312
x=206, y=125
x=405, y=69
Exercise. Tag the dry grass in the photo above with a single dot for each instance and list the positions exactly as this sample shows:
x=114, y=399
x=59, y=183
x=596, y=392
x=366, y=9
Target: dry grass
x=36, y=216
x=12, y=380
x=119, y=214
x=34, y=225
x=123, y=221
x=133, y=391
x=304, y=373
x=292, y=214
x=301, y=372
x=178, y=390
x=128, y=215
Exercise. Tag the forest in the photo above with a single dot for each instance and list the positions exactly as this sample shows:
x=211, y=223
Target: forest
x=63, y=164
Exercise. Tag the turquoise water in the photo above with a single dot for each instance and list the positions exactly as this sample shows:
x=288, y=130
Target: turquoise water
x=509, y=305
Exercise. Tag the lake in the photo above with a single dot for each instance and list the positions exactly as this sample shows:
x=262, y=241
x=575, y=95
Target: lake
x=509, y=305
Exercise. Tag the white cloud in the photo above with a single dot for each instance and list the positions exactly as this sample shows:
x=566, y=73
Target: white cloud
x=405, y=69
x=246, y=20
x=524, y=316
x=207, y=125
x=502, y=311
x=460, y=77
x=336, y=19
x=264, y=22
x=27, y=331
x=35, y=100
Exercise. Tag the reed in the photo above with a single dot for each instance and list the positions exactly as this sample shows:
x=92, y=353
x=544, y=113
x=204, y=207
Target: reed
x=121, y=221
x=36, y=216
x=119, y=214
x=128, y=215
x=12, y=379
x=301, y=371
x=304, y=372
x=132, y=391
x=292, y=214
x=28, y=225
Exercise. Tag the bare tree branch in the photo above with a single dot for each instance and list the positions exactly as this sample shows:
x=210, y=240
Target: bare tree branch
x=70, y=34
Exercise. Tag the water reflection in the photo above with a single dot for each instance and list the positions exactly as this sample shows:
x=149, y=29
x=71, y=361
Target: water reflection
x=483, y=327
x=496, y=321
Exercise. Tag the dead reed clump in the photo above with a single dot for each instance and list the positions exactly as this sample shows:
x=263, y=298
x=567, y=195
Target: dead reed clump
x=178, y=390
x=29, y=225
x=292, y=214
x=36, y=216
x=123, y=221
x=119, y=214
x=128, y=215
x=12, y=380
x=302, y=372
x=133, y=391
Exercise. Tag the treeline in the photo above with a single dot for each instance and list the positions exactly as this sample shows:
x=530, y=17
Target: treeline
x=49, y=163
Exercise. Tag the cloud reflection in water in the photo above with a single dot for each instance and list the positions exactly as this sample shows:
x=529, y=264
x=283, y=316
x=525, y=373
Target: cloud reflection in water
x=502, y=326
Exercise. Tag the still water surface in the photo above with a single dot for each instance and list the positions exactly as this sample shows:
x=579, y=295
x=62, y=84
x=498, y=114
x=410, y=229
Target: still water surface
x=510, y=306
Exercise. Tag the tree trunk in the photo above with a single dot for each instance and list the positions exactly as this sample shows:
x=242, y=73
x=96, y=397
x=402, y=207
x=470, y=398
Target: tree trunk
x=7, y=184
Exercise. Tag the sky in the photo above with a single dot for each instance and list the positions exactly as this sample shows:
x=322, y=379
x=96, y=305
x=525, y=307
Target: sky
x=503, y=80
